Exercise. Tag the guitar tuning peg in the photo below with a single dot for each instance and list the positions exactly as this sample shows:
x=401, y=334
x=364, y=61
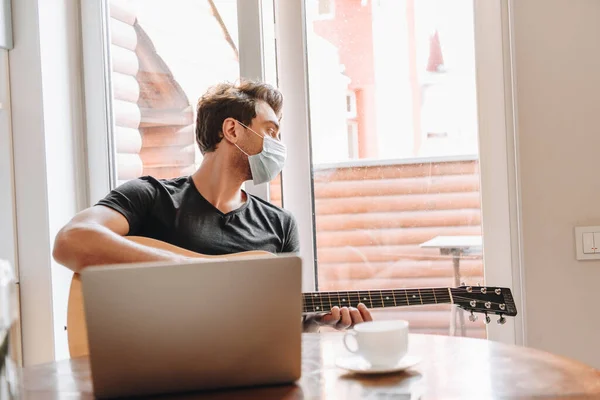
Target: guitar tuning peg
x=472, y=317
x=487, y=319
x=501, y=320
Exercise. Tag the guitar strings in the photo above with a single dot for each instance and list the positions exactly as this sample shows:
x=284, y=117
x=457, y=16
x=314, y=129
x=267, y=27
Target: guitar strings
x=327, y=297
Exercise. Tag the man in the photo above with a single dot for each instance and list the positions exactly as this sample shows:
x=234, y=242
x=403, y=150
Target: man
x=237, y=130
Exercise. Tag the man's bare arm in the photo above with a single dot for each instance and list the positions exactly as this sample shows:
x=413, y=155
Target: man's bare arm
x=95, y=237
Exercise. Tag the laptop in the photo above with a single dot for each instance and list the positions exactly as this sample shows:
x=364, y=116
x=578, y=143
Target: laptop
x=158, y=328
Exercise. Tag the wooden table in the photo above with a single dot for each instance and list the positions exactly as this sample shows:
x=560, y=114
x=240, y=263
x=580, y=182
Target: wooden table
x=456, y=246
x=451, y=368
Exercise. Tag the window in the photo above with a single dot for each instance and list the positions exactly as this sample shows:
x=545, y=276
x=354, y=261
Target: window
x=353, y=140
x=325, y=9
x=384, y=119
x=413, y=64
x=158, y=76
x=351, y=104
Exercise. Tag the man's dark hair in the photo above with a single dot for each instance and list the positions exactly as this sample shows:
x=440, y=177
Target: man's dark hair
x=228, y=100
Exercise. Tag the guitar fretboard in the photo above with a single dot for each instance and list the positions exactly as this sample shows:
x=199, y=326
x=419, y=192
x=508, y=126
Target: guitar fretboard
x=324, y=301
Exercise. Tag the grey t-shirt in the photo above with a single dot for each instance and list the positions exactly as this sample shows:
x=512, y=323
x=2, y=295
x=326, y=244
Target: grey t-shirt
x=173, y=211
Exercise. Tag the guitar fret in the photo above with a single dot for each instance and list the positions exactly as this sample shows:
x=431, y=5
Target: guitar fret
x=428, y=295
x=443, y=294
x=321, y=300
x=400, y=300
x=413, y=297
x=345, y=299
x=365, y=298
x=394, y=296
x=385, y=298
x=308, y=307
x=407, y=301
x=328, y=299
x=357, y=300
x=388, y=298
x=420, y=298
x=434, y=296
x=376, y=299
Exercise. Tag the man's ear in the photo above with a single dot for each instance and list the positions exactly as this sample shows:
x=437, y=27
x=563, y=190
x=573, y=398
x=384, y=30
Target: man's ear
x=230, y=130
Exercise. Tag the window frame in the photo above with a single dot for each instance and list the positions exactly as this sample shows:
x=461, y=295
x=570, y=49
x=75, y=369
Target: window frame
x=498, y=147
x=8, y=230
x=252, y=61
x=8, y=214
x=100, y=147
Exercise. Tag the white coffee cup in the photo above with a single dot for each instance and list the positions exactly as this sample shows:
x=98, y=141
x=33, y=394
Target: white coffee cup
x=381, y=343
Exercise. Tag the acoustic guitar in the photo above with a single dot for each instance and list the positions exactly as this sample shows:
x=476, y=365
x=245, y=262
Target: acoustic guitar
x=475, y=299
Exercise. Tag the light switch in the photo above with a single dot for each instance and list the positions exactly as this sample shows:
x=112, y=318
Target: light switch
x=596, y=242
x=588, y=243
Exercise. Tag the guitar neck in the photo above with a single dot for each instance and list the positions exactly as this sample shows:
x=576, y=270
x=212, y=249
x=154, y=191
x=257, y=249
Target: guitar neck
x=315, y=302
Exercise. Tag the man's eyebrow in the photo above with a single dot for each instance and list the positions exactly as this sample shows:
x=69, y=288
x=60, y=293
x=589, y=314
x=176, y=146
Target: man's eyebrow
x=274, y=123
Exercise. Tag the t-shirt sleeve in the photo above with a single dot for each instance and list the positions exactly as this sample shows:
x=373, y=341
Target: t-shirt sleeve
x=292, y=239
x=134, y=200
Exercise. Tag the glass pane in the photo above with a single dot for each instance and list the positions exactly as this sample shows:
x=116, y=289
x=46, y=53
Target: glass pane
x=394, y=149
x=165, y=55
x=275, y=192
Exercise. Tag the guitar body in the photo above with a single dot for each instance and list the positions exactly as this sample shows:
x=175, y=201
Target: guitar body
x=76, y=325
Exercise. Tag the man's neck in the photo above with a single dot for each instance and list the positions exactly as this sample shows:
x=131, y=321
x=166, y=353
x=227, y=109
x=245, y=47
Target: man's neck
x=219, y=185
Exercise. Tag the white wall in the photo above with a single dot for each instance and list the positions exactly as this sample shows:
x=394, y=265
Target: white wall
x=558, y=81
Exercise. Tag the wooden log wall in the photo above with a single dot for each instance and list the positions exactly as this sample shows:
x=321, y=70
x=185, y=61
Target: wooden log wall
x=154, y=120
x=126, y=91
x=371, y=220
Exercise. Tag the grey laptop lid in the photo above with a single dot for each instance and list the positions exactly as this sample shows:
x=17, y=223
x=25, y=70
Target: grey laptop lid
x=164, y=328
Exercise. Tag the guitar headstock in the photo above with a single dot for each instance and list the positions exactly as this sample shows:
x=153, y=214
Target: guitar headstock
x=486, y=300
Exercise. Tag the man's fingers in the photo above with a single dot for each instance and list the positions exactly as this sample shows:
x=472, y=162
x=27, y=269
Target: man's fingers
x=364, y=313
x=345, y=317
x=345, y=320
x=332, y=318
x=356, y=316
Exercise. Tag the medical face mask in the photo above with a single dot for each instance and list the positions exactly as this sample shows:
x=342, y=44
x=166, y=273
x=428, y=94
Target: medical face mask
x=267, y=164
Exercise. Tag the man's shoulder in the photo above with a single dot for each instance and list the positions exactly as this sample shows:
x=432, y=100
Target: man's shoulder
x=150, y=182
x=172, y=184
x=271, y=209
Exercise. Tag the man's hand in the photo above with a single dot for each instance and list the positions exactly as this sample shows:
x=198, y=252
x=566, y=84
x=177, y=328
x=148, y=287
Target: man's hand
x=338, y=318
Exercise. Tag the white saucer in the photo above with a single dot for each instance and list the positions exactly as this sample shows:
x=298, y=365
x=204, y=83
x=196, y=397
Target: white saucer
x=359, y=365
